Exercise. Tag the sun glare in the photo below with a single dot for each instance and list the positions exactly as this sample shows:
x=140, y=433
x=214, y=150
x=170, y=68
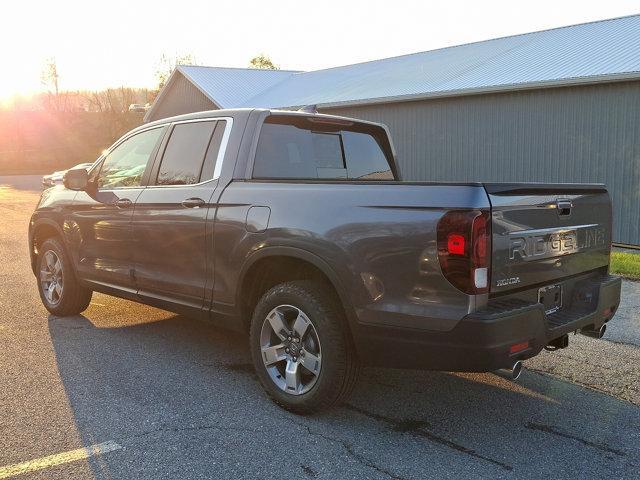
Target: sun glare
x=13, y=89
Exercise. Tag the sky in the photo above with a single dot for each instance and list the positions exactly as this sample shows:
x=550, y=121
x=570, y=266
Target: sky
x=113, y=43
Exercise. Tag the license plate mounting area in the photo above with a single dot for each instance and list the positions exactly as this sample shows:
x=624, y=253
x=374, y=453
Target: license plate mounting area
x=551, y=298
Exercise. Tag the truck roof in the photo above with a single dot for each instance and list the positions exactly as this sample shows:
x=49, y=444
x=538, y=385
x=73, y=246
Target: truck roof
x=245, y=111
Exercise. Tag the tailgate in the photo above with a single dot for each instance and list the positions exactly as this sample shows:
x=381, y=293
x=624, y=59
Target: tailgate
x=542, y=233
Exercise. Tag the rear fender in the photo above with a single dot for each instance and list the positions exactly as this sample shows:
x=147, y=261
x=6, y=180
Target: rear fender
x=305, y=255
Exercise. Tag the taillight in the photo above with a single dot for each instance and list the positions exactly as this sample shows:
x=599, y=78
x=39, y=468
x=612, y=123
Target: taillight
x=455, y=244
x=464, y=249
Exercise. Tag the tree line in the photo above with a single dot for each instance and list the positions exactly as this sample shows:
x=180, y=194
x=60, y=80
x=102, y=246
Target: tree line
x=57, y=128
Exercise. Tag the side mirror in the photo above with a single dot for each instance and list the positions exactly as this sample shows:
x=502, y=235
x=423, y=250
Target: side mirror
x=76, y=179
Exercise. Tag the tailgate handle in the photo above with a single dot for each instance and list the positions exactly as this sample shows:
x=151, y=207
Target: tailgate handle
x=564, y=207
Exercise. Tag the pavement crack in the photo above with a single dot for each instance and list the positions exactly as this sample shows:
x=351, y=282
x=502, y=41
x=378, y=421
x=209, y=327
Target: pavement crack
x=418, y=428
x=551, y=430
x=348, y=447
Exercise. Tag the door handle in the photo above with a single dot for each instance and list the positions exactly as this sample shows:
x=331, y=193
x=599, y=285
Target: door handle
x=124, y=203
x=193, y=202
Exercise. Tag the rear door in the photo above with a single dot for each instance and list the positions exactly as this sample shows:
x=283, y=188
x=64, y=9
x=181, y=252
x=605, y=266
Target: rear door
x=170, y=221
x=543, y=233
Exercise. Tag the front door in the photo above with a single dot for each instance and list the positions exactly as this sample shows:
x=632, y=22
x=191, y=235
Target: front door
x=172, y=245
x=102, y=214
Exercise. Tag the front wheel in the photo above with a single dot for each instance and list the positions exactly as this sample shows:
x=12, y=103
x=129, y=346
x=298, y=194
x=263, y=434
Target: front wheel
x=59, y=289
x=301, y=348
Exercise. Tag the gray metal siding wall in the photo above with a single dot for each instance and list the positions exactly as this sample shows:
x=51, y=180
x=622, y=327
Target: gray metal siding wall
x=182, y=97
x=571, y=134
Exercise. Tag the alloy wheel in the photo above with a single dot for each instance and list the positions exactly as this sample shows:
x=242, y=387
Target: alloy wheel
x=290, y=349
x=51, y=279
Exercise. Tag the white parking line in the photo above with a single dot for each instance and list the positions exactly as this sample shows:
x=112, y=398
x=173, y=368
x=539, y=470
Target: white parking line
x=58, y=459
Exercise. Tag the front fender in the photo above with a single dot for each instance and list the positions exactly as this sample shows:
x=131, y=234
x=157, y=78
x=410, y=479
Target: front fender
x=36, y=227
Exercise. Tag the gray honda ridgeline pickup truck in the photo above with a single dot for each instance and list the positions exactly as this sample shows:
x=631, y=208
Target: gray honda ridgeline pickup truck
x=296, y=229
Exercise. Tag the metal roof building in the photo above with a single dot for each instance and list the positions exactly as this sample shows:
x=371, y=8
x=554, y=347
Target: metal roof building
x=556, y=105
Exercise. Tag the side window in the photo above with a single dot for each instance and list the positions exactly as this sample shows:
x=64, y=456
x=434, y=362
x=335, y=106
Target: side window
x=182, y=162
x=125, y=164
x=303, y=149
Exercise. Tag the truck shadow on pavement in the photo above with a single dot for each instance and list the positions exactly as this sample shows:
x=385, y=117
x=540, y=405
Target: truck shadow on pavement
x=181, y=398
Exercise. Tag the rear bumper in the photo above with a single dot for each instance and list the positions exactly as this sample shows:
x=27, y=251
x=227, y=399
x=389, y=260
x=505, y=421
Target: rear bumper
x=481, y=341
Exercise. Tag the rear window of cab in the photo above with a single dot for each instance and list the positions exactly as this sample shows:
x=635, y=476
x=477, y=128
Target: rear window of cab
x=317, y=148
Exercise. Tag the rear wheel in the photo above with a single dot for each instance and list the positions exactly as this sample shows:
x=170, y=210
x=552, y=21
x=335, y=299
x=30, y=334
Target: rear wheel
x=301, y=348
x=59, y=289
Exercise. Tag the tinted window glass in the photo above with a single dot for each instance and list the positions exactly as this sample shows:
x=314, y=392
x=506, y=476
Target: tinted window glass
x=211, y=156
x=365, y=158
x=125, y=164
x=286, y=151
x=318, y=151
x=184, y=154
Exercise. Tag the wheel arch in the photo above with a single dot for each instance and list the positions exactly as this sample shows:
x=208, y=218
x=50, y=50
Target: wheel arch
x=298, y=263
x=40, y=231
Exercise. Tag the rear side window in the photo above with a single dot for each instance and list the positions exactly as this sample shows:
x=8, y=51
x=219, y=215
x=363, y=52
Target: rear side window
x=191, y=153
x=296, y=147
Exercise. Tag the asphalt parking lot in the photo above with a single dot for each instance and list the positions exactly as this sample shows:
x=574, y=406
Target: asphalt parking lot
x=151, y=394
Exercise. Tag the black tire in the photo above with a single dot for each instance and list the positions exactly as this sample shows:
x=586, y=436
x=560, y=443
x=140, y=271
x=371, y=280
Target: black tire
x=339, y=367
x=74, y=298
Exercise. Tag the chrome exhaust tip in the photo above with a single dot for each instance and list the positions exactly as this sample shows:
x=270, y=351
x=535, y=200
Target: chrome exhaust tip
x=516, y=370
x=512, y=373
x=589, y=331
